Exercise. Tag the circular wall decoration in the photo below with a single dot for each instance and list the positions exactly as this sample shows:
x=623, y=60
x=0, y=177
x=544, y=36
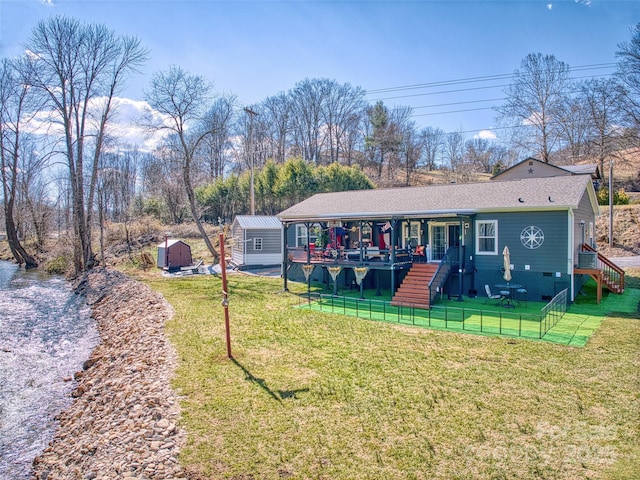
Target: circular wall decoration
x=532, y=237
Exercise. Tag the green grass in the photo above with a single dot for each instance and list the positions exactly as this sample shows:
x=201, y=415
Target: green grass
x=320, y=395
x=481, y=316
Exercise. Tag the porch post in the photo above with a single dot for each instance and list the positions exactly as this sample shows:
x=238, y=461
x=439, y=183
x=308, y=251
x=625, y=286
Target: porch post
x=360, y=247
x=460, y=261
x=308, y=226
x=285, y=256
x=394, y=225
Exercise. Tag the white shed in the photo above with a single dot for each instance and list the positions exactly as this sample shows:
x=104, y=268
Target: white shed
x=257, y=240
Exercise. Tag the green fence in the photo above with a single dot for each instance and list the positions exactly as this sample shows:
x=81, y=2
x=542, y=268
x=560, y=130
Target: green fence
x=445, y=317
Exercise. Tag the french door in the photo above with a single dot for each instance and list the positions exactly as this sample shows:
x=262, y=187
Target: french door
x=443, y=236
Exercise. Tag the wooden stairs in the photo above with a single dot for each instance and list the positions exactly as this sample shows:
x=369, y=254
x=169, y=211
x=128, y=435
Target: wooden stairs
x=414, y=289
x=605, y=273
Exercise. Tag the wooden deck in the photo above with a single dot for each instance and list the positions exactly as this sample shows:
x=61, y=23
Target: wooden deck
x=606, y=273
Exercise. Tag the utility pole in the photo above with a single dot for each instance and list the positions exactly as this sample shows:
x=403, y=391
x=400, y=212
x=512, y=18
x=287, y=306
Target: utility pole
x=611, y=161
x=251, y=155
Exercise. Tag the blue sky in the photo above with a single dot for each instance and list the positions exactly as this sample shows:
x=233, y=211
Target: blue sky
x=254, y=49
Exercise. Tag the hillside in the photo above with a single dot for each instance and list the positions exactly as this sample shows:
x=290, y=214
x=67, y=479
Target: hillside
x=626, y=231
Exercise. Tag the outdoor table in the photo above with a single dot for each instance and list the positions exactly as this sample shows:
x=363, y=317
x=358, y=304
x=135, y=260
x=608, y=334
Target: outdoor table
x=507, y=290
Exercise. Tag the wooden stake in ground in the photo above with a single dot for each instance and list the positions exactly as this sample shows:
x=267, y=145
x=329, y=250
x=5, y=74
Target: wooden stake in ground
x=225, y=295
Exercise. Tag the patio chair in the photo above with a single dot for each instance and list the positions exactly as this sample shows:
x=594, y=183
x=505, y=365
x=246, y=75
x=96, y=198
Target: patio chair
x=490, y=296
x=521, y=295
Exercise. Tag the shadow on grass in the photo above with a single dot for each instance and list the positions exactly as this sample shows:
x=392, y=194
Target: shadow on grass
x=261, y=382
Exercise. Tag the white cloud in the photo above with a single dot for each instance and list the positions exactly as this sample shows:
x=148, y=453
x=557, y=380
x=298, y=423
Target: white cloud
x=48, y=3
x=128, y=125
x=486, y=135
x=549, y=6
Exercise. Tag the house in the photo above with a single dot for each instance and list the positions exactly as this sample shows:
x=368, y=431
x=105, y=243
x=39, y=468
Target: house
x=257, y=241
x=531, y=168
x=454, y=235
x=173, y=255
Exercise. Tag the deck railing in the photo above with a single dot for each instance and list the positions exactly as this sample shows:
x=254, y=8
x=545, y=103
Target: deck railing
x=349, y=257
x=442, y=273
x=613, y=274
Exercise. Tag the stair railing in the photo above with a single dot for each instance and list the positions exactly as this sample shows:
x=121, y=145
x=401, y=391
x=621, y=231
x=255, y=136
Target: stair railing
x=442, y=273
x=613, y=274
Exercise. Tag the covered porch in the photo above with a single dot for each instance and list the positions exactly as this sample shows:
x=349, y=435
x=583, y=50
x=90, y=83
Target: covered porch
x=380, y=253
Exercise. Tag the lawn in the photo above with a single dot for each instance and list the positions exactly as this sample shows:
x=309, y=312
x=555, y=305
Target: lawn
x=480, y=315
x=321, y=395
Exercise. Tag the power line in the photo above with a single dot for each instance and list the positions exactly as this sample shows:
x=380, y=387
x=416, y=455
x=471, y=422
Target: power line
x=472, y=80
x=424, y=94
x=484, y=78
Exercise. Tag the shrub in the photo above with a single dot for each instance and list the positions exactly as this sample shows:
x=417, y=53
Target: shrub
x=620, y=197
x=58, y=265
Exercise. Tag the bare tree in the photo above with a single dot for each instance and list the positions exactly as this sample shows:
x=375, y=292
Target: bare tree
x=534, y=100
x=454, y=149
x=433, y=143
x=629, y=75
x=14, y=97
x=478, y=153
x=182, y=98
x=80, y=68
x=573, y=124
x=275, y=118
x=306, y=115
x=219, y=121
x=408, y=149
x=33, y=190
x=163, y=190
x=602, y=99
x=340, y=102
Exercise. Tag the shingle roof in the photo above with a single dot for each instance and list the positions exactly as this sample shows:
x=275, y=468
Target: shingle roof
x=585, y=169
x=258, y=221
x=552, y=193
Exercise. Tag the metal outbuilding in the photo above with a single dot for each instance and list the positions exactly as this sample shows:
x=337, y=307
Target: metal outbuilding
x=174, y=254
x=257, y=240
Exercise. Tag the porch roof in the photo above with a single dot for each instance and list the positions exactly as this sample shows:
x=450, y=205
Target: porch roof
x=531, y=194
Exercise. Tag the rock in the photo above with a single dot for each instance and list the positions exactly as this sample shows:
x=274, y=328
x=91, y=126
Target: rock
x=122, y=422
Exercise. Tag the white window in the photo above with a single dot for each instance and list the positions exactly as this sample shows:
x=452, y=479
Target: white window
x=257, y=243
x=301, y=235
x=486, y=237
x=412, y=234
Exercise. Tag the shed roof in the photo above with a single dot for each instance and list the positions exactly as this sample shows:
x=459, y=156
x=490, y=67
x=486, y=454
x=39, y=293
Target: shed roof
x=552, y=193
x=584, y=169
x=258, y=222
x=169, y=243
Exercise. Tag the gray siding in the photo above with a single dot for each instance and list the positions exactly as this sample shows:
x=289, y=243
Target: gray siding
x=551, y=256
x=271, y=241
x=584, y=212
x=547, y=272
